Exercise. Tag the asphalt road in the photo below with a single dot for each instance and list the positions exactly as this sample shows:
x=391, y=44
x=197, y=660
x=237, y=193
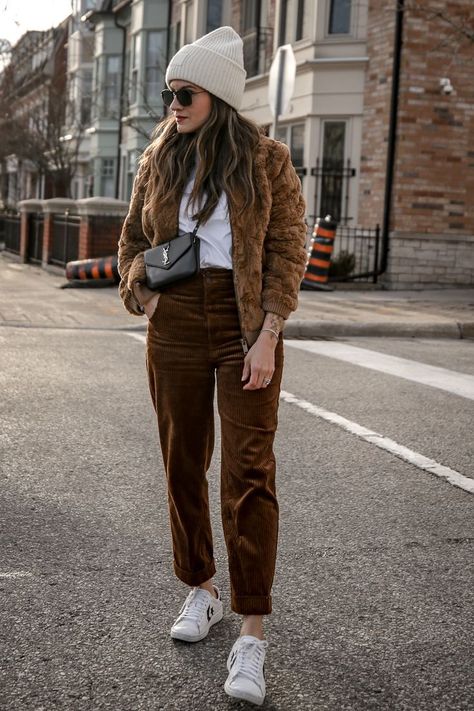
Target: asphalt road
x=374, y=582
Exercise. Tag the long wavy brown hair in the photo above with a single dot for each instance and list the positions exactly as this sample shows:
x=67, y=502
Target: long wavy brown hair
x=224, y=148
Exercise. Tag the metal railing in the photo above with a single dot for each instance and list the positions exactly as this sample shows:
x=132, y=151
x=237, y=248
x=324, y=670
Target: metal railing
x=356, y=255
x=332, y=188
x=11, y=231
x=35, y=237
x=65, y=239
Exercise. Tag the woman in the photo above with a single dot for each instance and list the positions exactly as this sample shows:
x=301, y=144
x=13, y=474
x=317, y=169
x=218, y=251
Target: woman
x=207, y=163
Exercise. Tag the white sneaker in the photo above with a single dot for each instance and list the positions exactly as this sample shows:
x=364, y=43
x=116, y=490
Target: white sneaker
x=200, y=611
x=245, y=663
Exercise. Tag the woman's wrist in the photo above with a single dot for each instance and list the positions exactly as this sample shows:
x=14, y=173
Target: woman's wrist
x=271, y=331
x=268, y=338
x=273, y=323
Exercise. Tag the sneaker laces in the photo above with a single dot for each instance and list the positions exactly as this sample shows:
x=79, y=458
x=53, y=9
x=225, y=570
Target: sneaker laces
x=194, y=605
x=249, y=659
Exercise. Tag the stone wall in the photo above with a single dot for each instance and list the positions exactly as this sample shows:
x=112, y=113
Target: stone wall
x=430, y=261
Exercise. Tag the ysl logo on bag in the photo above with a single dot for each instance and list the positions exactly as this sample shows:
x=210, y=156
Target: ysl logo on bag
x=165, y=255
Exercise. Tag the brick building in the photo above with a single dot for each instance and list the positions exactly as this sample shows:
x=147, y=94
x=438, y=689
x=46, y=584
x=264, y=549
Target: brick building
x=431, y=235
x=375, y=136
x=31, y=116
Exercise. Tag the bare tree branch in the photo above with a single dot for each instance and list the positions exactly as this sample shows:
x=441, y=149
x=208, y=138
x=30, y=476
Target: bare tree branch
x=36, y=136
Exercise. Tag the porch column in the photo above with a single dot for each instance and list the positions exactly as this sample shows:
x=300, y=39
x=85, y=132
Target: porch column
x=101, y=225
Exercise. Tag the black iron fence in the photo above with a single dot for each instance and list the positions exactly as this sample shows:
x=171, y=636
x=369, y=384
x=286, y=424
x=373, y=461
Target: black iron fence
x=65, y=239
x=11, y=228
x=332, y=188
x=356, y=255
x=35, y=237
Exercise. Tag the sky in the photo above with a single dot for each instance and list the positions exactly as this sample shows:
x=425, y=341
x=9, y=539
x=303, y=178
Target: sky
x=18, y=16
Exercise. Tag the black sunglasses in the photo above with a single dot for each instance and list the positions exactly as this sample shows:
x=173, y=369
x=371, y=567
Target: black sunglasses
x=184, y=96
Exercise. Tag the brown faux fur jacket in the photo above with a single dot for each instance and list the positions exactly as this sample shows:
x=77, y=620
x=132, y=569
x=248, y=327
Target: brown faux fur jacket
x=268, y=242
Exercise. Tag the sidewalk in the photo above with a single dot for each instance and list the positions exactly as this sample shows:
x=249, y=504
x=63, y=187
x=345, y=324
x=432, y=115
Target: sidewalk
x=433, y=313
x=31, y=296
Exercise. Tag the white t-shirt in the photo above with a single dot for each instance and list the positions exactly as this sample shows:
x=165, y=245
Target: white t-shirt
x=215, y=235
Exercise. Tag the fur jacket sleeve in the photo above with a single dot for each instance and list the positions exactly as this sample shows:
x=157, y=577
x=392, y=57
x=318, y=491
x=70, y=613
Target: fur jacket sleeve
x=132, y=244
x=285, y=239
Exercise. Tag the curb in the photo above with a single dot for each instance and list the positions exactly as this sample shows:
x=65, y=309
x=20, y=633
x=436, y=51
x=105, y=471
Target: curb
x=295, y=328
x=335, y=329
x=467, y=329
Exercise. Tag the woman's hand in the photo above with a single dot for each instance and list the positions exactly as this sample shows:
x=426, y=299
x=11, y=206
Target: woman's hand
x=147, y=297
x=151, y=305
x=259, y=363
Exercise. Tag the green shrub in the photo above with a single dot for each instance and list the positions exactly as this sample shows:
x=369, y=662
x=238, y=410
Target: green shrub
x=343, y=264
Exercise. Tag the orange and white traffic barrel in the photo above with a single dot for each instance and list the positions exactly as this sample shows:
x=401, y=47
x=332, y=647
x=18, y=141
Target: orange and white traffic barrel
x=93, y=269
x=322, y=244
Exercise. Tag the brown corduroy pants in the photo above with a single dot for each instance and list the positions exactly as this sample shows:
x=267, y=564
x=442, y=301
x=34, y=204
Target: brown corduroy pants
x=193, y=343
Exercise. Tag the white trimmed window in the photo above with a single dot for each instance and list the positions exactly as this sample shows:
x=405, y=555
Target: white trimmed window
x=295, y=20
x=107, y=177
x=332, y=185
x=339, y=17
x=155, y=64
x=135, y=68
x=293, y=136
x=214, y=15
x=111, y=86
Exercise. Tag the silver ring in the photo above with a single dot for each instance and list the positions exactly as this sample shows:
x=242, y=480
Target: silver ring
x=267, y=381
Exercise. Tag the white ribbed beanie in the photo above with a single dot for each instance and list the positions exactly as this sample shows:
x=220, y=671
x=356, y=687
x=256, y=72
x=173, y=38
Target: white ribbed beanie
x=214, y=62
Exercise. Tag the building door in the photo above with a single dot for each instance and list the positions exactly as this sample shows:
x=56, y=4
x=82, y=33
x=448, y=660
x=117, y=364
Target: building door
x=331, y=178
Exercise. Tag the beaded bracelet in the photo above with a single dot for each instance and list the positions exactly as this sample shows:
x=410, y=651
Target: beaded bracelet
x=271, y=331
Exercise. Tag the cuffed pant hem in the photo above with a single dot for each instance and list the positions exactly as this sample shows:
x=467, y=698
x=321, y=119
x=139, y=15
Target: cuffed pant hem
x=197, y=577
x=251, y=604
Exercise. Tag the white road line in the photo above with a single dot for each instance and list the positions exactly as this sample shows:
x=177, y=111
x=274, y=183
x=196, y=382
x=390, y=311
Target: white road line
x=441, y=378
x=138, y=336
x=389, y=445
x=15, y=574
x=419, y=460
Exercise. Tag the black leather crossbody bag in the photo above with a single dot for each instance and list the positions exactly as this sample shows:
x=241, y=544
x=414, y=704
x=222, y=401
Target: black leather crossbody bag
x=172, y=261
